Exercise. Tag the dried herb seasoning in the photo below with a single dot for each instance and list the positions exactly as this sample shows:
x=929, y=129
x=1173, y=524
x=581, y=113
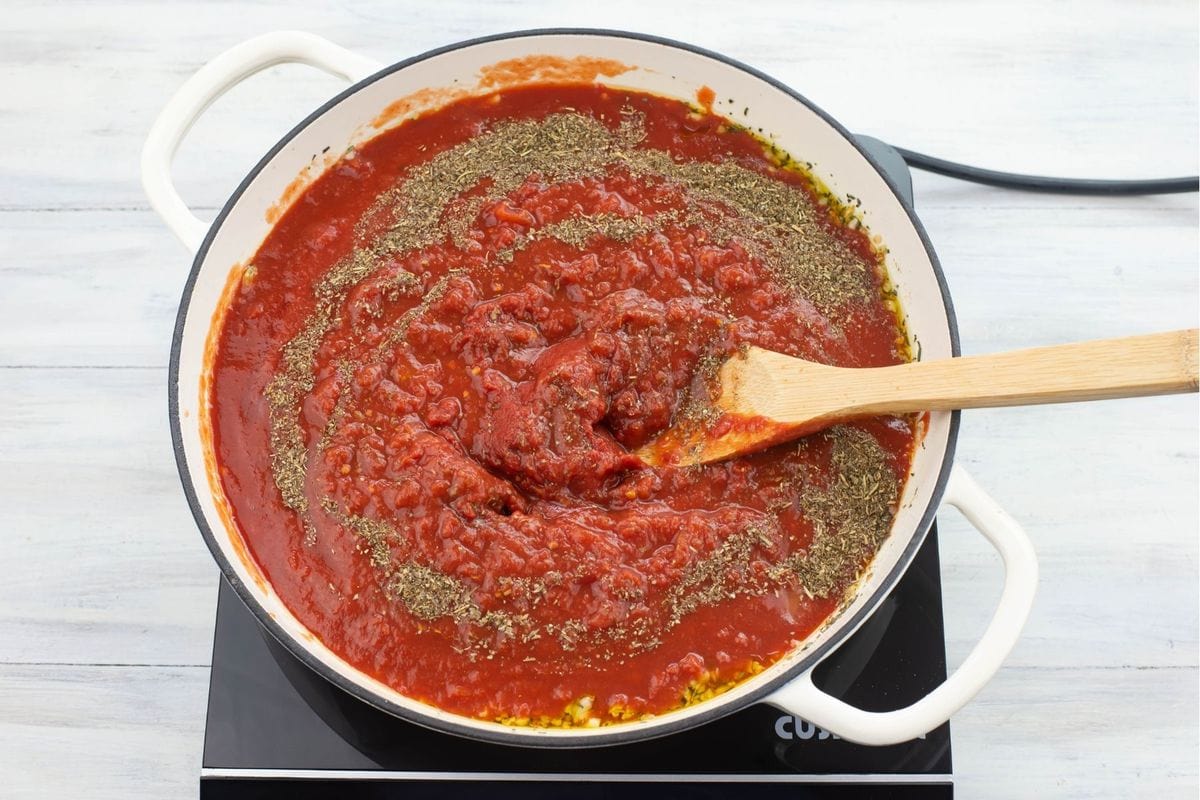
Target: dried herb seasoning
x=411, y=413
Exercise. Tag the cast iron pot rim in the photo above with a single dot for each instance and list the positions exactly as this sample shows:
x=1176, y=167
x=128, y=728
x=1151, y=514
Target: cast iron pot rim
x=617, y=734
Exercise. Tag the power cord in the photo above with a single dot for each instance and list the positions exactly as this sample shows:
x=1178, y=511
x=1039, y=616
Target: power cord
x=1041, y=183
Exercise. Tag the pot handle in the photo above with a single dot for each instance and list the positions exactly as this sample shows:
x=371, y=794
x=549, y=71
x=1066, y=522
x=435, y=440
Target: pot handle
x=211, y=81
x=802, y=698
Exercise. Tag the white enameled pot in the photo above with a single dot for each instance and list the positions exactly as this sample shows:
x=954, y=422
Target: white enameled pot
x=654, y=65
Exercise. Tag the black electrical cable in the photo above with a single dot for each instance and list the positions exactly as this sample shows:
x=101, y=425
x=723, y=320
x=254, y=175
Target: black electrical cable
x=1041, y=183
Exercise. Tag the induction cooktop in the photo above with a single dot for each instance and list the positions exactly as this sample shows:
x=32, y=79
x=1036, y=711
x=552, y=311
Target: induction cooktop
x=277, y=729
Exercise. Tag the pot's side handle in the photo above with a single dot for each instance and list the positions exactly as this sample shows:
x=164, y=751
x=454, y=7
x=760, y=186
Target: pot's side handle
x=210, y=82
x=802, y=698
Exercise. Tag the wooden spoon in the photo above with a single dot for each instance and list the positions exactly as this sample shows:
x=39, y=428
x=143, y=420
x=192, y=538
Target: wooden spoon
x=764, y=398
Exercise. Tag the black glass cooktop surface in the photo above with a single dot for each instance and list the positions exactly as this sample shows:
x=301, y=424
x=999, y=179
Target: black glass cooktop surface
x=272, y=722
x=277, y=729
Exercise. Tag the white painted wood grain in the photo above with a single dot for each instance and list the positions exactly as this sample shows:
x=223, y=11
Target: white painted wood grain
x=1100, y=696
x=103, y=733
x=1065, y=272
x=1079, y=733
x=1078, y=88
x=1094, y=607
x=113, y=569
x=110, y=733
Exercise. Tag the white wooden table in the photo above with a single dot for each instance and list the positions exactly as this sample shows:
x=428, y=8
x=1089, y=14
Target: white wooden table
x=106, y=604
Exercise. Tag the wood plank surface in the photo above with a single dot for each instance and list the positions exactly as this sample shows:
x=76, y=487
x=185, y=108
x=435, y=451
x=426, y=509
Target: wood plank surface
x=1095, y=732
x=106, y=606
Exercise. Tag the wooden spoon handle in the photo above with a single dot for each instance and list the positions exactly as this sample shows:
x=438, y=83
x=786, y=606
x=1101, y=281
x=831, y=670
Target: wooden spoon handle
x=1160, y=363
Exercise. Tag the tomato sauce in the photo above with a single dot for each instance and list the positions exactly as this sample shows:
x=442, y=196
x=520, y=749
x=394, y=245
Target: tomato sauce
x=428, y=389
